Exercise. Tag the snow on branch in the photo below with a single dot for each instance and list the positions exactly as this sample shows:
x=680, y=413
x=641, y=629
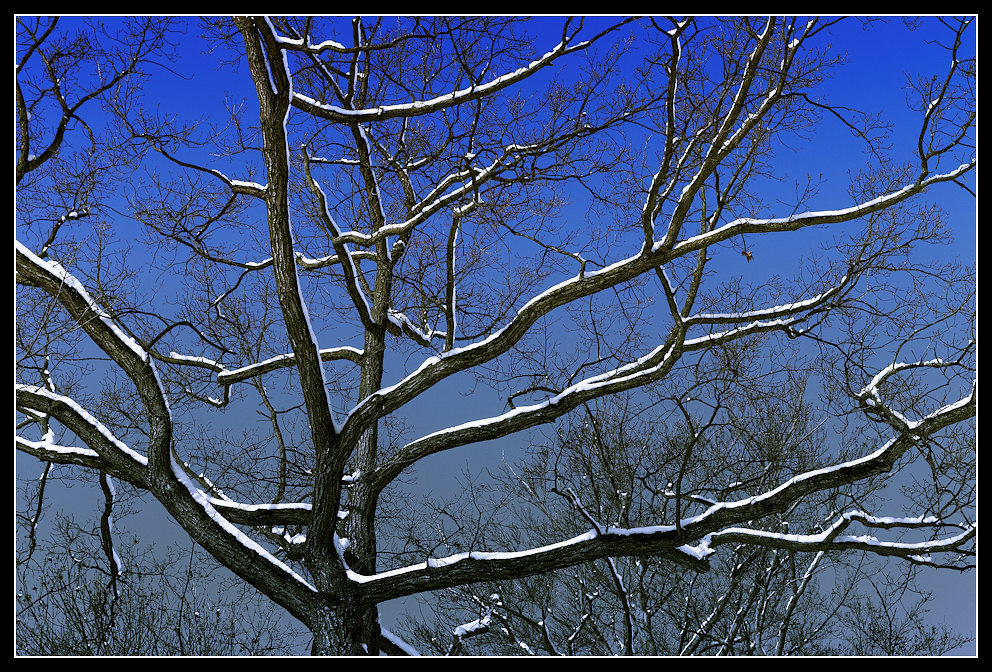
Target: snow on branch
x=778, y=499
x=831, y=539
x=648, y=368
x=770, y=313
x=231, y=376
x=105, y=452
x=871, y=399
x=103, y=449
x=252, y=547
x=814, y=218
x=237, y=187
x=51, y=276
x=474, y=566
x=870, y=391
x=449, y=191
x=130, y=355
x=157, y=471
x=720, y=145
x=717, y=525
x=399, y=323
x=284, y=513
x=436, y=368
x=402, y=646
x=478, y=626
x=414, y=108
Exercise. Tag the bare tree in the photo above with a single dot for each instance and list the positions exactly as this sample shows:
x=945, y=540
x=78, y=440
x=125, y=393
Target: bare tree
x=70, y=602
x=610, y=467
x=389, y=214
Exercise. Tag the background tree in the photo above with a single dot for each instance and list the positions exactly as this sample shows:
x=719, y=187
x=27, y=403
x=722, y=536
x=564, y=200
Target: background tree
x=390, y=212
x=608, y=466
x=71, y=603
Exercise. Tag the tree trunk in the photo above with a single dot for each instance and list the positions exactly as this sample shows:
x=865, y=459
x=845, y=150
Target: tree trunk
x=346, y=629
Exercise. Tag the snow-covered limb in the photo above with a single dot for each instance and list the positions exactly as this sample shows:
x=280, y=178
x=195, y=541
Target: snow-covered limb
x=112, y=457
x=126, y=352
x=192, y=360
x=814, y=218
x=656, y=196
x=238, y=187
x=719, y=146
x=477, y=626
x=518, y=418
x=107, y=531
x=105, y=452
x=437, y=368
x=344, y=115
x=231, y=376
x=748, y=75
x=653, y=201
x=798, y=591
x=628, y=626
x=309, y=263
x=871, y=400
x=452, y=190
x=770, y=313
x=243, y=186
x=274, y=86
x=348, y=265
x=650, y=367
x=869, y=394
x=771, y=96
x=287, y=513
x=722, y=515
x=398, y=323
x=103, y=449
x=46, y=450
x=401, y=646
x=73, y=215
x=246, y=544
x=304, y=44
x=156, y=470
x=51, y=276
x=475, y=566
x=702, y=630
x=434, y=369
x=831, y=540
x=716, y=525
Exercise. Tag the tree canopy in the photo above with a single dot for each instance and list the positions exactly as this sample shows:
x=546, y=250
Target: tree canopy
x=696, y=283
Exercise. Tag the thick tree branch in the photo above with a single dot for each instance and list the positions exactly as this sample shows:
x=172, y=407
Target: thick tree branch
x=422, y=107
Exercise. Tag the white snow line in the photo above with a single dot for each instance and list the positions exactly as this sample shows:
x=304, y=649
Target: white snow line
x=98, y=426
x=204, y=501
x=66, y=278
